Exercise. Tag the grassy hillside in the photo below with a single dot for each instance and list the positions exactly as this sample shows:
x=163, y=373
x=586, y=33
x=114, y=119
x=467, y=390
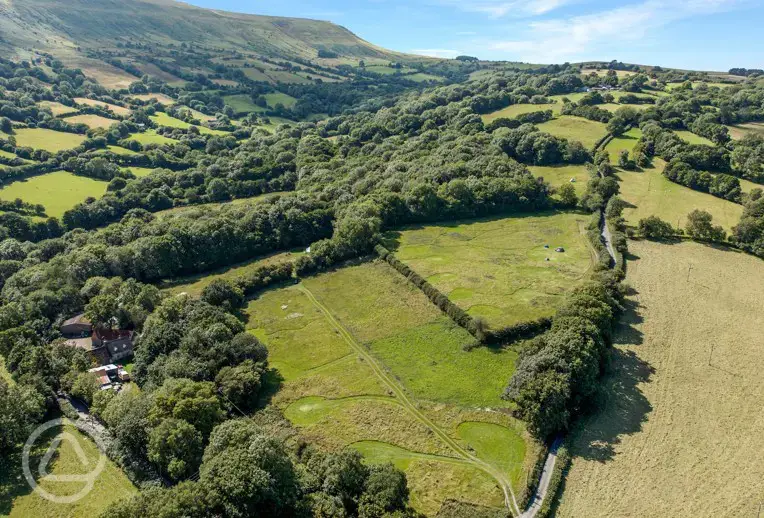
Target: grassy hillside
x=60, y=26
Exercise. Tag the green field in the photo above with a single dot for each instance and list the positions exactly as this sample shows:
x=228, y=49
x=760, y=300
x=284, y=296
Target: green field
x=575, y=128
x=111, y=485
x=652, y=194
x=162, y=119
x=121, y=150
x=57, y=192
x=557, y=176
x=242, y=103
x=343, y=341
x=162, y=98
x=497, y=268
x=194, y=285
x=91, y=121
x=627, y=141
x=151, y=137
x=140, y=172
x=49, y=140
x=7, y=154
x=275, y=98
x=119, y=110
x=692, y=138
x=518, y=109
x=739, y=131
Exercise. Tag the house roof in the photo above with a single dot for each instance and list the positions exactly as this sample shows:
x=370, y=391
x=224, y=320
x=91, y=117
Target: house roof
x=81, y=343
x=77, y=319
x=112, y=334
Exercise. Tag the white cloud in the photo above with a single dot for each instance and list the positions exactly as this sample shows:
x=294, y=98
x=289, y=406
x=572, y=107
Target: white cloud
x=501, y=8
x=437, y=53
x=558, y=40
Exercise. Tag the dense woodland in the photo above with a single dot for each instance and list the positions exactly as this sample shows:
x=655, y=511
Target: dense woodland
x=384, y=157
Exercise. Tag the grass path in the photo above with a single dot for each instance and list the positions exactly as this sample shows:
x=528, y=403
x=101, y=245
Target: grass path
x=397, y=390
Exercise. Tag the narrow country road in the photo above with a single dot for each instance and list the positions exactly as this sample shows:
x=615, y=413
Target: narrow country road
x=607, y=237
x=398, y=391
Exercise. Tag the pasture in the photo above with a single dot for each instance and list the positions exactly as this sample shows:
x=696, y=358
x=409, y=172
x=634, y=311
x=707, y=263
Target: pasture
x=514, y=110
x=739, y=131
x=649, y=193
x=557, y=176
x=692, y=138
x=57, y=109
x=162, y=98
x=575, y=128
x=162, y=119
x=151, y=137
x=91, y=121
x=497, y=268
x=119, y=110
x=49, y=140
x=678, y=432
x=280, y=98
x=58, y=191
x=242, y=103
x=20, y=501
x=348, y=344
x=625, y=142
x=140, y=172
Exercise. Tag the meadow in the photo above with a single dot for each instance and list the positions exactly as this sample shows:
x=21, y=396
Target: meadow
x=678, y=432
x=119, y=110
x=242, y=103
x=58, y=191
x=351, y=346
x=162, y=98
x=151, y=137
x=739, y=131
x=57, y=109
x=49, y=140
x=649, y=193
x=557, y=176
x=140, y=172
x=624, y=142
x=497, y=268
x=575, y=128
x=92, y=121
x=514, y=110
x=162, y=119
x=110, y=486
x=692, y=138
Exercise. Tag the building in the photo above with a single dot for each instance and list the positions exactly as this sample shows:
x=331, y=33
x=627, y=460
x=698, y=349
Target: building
x=77, y=327
x=105, y=346
x=110, y=376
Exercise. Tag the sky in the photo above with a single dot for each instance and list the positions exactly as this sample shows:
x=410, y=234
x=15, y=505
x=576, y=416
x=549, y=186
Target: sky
x=689, y=34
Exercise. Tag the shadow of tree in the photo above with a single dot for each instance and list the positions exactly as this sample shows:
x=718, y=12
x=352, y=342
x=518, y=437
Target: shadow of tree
x=620, y=408
x=627, y=332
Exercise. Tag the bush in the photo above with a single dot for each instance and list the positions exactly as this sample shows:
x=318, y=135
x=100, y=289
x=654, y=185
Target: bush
x=653, y=227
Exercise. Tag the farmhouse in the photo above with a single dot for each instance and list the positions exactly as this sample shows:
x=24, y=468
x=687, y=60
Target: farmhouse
x=110, y=376
x=104, y=345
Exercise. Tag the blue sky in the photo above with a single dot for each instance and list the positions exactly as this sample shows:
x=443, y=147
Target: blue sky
x=693, y=34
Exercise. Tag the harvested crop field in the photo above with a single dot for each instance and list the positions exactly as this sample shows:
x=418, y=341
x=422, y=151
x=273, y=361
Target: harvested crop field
x=679, y=430
x=651, y=194
x=575, y=128
x=92, y=121
x=119, y=110
x=497, y=268
x=57, y=109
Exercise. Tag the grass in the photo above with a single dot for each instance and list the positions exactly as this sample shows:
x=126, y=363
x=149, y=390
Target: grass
x=119, y=110
x=162, y=119
x=678, y=431
x=121, y=151
x=162, y=98
x=58, y=191
x=205, y=207
x=739, y=131
x=558, y=176
x=519, y=109
x=435, y=478
x=496, y=268
x=497, y=444
x=111, y=485
x=275, y=98
x=49, y=140
x=140, y=172
x=194, y=285
x=626, y=142
x=692, y=138
x=242, y=103
x=7, y=154
x=151, y=137
x=57, y=109
x=651, y=194
x=575, y=128
x=92, y=121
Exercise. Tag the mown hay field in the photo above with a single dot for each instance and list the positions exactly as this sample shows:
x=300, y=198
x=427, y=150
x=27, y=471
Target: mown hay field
x=497, y=268
x=92, y=121
x=678, y=432
x=58, y=191
x=111, y=485
x=575, y=128
x=57, y=109
x=336, y=398
x=649, y=193
x=162, y=119
x=49, y=140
